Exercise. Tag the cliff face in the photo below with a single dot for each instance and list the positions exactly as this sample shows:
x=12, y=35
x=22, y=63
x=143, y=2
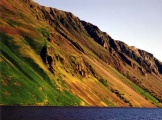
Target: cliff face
x=144, y=59
x=54, y=58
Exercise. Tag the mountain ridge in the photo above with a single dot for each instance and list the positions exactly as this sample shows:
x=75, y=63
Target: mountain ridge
x=72, y=49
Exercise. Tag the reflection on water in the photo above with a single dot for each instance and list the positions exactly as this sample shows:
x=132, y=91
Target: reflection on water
x=79, y=113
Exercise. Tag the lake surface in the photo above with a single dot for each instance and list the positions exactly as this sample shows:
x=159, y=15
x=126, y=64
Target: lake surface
x=79, y=113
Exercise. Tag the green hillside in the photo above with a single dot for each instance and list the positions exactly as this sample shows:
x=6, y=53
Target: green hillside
x=51, y=57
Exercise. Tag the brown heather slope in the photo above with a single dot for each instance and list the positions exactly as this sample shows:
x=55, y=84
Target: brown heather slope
x=76, y=56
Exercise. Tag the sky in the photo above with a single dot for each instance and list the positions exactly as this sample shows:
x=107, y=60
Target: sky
x=136, y=22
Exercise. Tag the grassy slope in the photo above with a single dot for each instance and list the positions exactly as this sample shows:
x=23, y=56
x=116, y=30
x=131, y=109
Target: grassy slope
x=26, y=80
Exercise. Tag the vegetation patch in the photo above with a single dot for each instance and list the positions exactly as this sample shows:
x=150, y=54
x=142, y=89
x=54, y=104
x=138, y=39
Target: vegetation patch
x=110, y=103
x=5, y=39
x=44, y=32
x=104, y=82
x=61, y=81
x=34, y=44
x=121, y=96
x=12, y=23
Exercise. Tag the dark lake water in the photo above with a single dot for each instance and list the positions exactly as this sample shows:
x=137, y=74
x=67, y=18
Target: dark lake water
x=79, y=113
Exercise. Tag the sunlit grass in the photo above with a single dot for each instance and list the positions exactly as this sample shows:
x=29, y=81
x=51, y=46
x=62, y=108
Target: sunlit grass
x=135, y=87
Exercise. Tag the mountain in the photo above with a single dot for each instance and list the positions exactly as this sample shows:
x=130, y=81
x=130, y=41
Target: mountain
x=51, y=57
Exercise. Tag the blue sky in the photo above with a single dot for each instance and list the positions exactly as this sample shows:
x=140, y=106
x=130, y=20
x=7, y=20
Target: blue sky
x=135, y=22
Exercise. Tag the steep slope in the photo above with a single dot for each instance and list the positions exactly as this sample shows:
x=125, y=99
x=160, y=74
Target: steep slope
x=51, y=57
